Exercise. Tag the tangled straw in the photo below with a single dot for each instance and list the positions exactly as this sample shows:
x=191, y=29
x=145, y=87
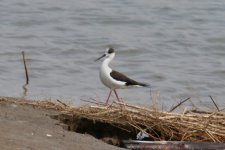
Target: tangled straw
x=195, y=126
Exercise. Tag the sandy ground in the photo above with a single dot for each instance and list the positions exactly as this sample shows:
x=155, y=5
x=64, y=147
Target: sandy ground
x=24, y=127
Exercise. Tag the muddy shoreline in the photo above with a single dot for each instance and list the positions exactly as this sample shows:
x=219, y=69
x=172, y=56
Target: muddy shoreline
x=28, y=127
x=52, y=125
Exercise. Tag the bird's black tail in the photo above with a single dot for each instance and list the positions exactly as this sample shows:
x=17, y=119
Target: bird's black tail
x=144, y=85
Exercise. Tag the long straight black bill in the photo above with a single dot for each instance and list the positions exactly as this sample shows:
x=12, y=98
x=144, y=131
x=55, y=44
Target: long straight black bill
x=100, y=57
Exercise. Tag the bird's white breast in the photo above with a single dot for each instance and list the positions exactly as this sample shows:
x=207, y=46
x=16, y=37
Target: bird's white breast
x=107, y=80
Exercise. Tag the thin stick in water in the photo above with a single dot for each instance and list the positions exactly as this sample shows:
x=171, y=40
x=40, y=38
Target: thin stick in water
x=25, y=67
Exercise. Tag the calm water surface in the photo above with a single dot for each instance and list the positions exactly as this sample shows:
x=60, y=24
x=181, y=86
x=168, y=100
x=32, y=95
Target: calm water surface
x=176, y=46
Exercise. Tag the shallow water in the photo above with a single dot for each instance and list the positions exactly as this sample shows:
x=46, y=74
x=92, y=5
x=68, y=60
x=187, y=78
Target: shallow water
x=176, y=46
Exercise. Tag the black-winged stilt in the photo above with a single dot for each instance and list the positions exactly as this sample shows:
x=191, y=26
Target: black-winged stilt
x=113, y=79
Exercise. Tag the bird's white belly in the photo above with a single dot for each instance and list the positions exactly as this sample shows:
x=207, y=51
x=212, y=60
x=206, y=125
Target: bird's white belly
x=109, y=82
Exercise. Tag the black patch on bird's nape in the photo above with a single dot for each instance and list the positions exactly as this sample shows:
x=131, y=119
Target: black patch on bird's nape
x=111, y=50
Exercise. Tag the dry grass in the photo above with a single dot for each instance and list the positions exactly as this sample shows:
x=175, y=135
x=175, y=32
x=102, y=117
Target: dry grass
x=197, y=126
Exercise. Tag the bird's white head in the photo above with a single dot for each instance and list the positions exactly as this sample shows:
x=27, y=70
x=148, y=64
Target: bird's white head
x=109, y=53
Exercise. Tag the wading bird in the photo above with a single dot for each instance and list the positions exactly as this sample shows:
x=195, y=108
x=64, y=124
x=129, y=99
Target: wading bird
x=114, y=79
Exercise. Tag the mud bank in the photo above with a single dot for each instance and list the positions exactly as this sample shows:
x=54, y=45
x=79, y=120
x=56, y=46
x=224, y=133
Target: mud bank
x=28, y=127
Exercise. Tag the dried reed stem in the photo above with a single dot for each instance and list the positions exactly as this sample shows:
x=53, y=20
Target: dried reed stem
x=180, y=103
x=62, y=103
x=214, y=103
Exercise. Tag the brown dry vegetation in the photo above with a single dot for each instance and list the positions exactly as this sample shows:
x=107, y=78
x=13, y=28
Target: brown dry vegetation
x=196, y=126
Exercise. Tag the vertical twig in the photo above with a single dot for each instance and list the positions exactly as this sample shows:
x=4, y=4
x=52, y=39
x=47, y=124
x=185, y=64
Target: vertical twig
x=214, y=103
x=25, y=67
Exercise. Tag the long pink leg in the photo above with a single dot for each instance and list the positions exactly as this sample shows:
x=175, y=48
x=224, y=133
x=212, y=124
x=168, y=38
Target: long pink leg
x=108, y=97
x=118, y=99
x=117, y=96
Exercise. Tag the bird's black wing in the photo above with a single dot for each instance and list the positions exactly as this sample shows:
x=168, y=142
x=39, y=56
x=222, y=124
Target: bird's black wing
x=121, y=77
